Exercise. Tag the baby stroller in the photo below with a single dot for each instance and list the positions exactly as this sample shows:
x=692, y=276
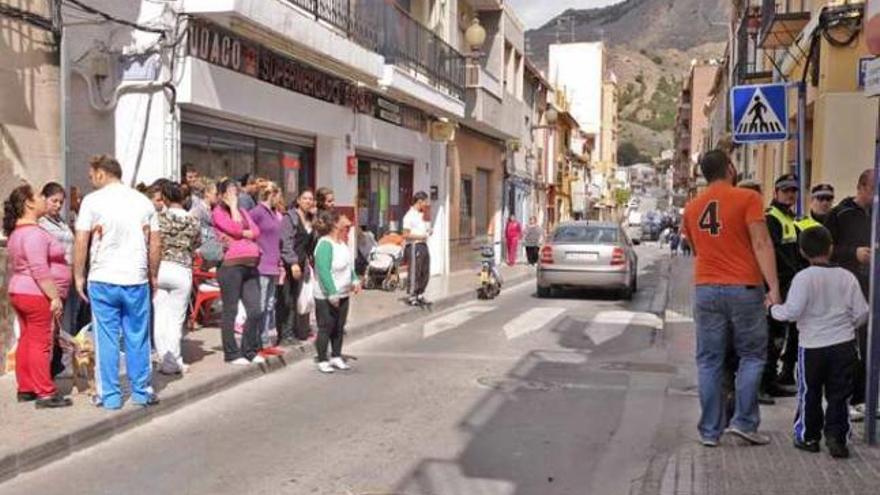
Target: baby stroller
x=383, y=270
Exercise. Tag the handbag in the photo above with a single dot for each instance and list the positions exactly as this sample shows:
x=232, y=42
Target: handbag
x=305, y=303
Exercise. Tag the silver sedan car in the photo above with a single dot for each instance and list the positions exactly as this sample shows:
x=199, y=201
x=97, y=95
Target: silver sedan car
x=586, y=254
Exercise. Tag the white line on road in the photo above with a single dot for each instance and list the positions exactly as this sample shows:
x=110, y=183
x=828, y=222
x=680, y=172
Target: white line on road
x=608, y=325
x=453, y=320
x=531, y=320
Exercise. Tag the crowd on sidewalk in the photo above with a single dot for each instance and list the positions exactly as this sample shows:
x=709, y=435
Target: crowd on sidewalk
x=119, y=276
x=780, y=306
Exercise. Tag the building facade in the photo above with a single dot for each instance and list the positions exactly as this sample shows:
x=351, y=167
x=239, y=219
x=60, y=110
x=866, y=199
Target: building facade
x=691, y=121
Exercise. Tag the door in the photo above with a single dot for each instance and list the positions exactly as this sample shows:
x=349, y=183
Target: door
x=481, y=198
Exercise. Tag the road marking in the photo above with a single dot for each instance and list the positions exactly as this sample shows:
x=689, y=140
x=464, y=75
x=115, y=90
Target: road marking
x=608, y=325
x=531, y=320
x=676, y=317
x=453, y=320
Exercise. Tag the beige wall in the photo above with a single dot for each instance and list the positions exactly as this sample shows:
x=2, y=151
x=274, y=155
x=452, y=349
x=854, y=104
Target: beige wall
x=468, y=153
x=701, y=84
x=30, y=121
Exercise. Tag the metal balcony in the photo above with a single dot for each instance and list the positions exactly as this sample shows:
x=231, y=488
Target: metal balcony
x=782, y=21
x=382, y=26
x=748, y=53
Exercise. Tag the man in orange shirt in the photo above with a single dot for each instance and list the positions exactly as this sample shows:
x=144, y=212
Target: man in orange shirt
x=734, y=260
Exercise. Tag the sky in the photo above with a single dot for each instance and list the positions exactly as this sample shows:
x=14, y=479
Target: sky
x=534, y=13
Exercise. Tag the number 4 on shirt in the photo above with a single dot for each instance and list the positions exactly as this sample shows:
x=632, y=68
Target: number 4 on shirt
x=709, y=219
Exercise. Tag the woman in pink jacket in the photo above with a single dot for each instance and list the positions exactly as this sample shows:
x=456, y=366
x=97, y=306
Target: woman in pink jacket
x=38, y=281
x=238, y=275
x=513, y=233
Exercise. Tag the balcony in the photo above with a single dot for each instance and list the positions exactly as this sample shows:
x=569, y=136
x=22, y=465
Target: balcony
x=782, y=21
x=748, y=53
x=351, y=37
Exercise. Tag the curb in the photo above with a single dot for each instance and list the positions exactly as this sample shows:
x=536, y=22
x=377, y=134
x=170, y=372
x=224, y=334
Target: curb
x=129, y=418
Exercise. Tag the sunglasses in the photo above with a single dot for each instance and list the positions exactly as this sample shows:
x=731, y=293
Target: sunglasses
x=790, y=190
x=825, y=198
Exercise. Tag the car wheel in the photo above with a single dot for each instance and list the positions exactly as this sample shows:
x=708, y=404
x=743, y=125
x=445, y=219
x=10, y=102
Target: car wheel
x=635, y=284
x=627, y=293
x=544, y=292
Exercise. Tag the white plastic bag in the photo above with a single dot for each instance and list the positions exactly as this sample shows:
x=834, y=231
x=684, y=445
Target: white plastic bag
x=305, y=303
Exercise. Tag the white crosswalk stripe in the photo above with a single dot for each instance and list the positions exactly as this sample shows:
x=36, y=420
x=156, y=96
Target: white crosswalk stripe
x=531, y=320
x=608, y=325
x=453, y=320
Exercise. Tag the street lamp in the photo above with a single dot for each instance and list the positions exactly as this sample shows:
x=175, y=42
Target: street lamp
x=475, y=36
x=551, y=115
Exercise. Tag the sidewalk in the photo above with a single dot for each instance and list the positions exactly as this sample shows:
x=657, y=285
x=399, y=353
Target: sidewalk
x=733, y=468
x=33, y=438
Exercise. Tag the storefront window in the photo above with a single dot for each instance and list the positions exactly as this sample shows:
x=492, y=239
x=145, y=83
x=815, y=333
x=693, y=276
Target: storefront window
x=215, y=153
x=384, y=192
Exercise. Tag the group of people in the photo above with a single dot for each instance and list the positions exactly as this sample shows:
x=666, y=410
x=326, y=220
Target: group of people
x=771, y=289
x=532, y=238
x=124, y=269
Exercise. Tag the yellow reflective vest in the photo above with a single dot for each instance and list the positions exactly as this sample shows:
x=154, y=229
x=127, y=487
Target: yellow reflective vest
x=807, y=222
x=789, y=225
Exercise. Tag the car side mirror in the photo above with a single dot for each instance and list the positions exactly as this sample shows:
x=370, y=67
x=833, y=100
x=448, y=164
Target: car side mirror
x=637, y=242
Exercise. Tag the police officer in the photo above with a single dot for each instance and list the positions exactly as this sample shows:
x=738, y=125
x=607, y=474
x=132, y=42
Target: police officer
x=821, y=201
x=782, y=224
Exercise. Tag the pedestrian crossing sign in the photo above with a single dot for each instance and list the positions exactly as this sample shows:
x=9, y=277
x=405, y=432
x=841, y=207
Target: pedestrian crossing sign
x=760, y=113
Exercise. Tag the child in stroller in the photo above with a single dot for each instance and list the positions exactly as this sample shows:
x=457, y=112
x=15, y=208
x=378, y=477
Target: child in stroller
x=383, y=267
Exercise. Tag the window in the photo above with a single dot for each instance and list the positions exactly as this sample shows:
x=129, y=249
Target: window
x=216, y=154
x=465, y=207
x=580, y=234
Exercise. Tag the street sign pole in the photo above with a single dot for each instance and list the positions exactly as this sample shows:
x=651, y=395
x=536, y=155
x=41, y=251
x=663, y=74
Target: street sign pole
x=801, y=146
x=873, y=359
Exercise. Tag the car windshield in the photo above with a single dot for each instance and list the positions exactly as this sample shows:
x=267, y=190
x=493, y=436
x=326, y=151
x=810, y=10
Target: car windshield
x=580, y=234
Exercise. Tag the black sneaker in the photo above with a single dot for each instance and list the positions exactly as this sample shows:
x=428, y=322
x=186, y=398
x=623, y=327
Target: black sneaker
x=807, y=445
x=837, y=449
x=54, y=402
x=27, y=396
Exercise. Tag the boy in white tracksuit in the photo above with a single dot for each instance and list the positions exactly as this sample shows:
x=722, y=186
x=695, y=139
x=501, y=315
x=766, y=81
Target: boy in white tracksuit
x=828, y=305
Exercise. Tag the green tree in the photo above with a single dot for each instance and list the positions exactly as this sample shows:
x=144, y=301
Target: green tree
x=622, y=196
x=629, y=154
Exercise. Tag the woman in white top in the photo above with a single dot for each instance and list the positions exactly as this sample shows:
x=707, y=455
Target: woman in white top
x=336, y=281
x=180, y=234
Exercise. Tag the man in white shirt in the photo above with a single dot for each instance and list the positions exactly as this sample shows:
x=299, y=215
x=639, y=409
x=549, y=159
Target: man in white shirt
x=416, y=231
x=115, y=220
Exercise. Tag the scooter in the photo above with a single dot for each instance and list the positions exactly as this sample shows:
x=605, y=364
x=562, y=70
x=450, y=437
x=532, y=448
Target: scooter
x=490, y=278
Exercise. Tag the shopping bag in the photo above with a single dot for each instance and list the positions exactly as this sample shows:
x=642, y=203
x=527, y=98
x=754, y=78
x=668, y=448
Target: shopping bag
x=305, y=303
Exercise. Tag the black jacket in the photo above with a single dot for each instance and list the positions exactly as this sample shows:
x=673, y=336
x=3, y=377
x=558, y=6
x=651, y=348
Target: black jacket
x=850, y=227
x=788, y=256
x=297, y=244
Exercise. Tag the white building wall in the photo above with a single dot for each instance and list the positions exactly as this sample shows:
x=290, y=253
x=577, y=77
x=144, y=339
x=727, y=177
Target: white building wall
x=579, y=68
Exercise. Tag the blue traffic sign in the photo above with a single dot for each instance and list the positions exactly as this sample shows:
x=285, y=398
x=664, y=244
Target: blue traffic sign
x=760, y=113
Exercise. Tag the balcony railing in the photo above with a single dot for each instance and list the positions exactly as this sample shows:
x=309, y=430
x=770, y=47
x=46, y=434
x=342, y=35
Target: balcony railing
x=748, y=52
x=383, y=27
x=782, y=21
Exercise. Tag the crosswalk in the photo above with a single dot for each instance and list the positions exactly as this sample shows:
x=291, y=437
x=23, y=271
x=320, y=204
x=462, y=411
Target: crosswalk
x=604, y=327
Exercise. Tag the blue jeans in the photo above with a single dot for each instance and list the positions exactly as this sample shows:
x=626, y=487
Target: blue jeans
x=723, y=312
x=121, y=313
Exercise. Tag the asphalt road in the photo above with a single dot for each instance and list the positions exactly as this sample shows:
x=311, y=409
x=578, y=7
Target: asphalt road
x=517, y=396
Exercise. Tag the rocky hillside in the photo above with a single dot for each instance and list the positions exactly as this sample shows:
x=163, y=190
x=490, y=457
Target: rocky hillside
x=650, y=45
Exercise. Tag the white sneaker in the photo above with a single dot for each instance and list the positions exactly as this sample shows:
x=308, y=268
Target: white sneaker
x=258, y=360
x=339, y=363
x=240, y=362
x=325, y=367
x=857, y=413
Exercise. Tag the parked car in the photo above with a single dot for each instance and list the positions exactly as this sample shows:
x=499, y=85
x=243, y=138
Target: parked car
x=593, y=255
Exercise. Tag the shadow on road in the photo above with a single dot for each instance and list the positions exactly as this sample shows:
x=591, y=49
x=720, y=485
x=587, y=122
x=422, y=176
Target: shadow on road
x=542, y=427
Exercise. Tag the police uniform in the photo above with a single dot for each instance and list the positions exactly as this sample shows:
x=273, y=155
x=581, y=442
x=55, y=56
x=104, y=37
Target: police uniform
x=783, y=226
x=814, y=219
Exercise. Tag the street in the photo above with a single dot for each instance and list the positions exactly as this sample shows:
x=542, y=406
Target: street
x=513, y=396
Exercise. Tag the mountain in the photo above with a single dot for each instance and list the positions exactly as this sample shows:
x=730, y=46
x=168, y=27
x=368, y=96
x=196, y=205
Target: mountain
x=650, y=46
